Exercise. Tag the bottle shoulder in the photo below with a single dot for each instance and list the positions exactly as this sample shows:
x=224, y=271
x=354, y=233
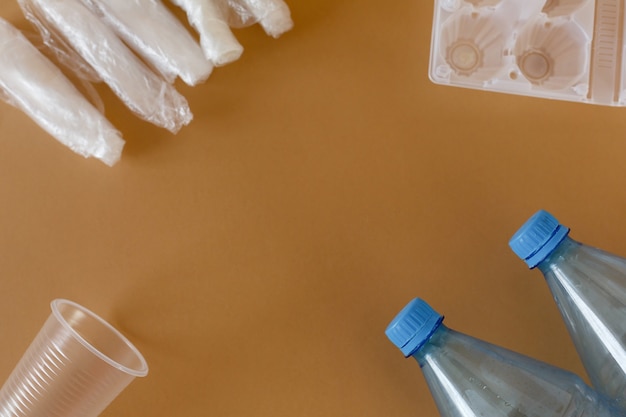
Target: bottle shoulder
x=571, y=251
x=465, y=372
x=582, y=269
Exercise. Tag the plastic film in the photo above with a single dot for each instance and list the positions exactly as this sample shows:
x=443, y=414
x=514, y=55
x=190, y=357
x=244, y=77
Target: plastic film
x=144, y=92
x=210, y=19
x=273, y=15
x=32, y=83
x=56, y=48
x=157, y=36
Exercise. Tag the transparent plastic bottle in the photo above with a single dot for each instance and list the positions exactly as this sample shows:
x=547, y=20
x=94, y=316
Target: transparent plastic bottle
x=589, y=287
x=469, y=377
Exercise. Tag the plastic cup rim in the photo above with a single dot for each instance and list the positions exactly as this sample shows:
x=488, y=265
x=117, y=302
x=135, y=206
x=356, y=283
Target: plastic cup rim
x=143, y=369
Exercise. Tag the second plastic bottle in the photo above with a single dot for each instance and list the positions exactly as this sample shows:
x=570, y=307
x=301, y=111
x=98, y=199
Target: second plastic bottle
x=589, y=287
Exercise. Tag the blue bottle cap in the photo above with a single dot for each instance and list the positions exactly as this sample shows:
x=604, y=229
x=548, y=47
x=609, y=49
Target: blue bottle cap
x=413, y=326
x=537, y=238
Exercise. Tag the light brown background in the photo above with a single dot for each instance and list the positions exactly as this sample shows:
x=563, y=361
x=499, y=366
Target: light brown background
x=256, y=257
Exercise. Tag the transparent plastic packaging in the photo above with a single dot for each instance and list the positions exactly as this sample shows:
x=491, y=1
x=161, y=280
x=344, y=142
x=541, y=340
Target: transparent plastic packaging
x=589, y=287
x=75, y=367
x=468, y=377
x=560, y=49
x=157, y=36
x=70, y=22
x=273, y=15
x=32, y=83
x=210, y=19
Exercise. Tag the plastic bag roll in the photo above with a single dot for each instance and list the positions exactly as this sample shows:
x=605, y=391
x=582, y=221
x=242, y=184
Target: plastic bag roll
x=273, y=15
x=210, y=21
x=157, y=36
x=30, y=82
x=144, y=92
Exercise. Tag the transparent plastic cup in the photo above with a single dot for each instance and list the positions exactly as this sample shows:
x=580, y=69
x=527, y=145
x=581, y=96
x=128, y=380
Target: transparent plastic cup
x=76, y=365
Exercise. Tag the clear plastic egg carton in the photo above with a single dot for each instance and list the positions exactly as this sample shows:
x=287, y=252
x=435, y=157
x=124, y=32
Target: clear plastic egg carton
x=560, y=49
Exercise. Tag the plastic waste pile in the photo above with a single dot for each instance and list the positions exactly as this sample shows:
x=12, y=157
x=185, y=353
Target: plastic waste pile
x=138, y=48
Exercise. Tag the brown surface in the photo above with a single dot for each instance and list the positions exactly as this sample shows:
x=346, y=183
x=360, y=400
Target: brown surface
x=256, y=257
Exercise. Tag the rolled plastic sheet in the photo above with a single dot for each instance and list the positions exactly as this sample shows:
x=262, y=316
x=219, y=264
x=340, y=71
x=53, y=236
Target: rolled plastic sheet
x=147, y=94
x=32, y=83
x=210, y=19
x=273, y=15
x=152, y=31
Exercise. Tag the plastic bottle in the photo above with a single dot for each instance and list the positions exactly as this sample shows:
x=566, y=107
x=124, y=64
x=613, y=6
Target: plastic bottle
x=589, y=287
x=469, y=377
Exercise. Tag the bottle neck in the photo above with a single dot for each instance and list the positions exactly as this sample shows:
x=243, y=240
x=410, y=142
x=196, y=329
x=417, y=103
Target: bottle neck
x=436, y=340
x=559, y=253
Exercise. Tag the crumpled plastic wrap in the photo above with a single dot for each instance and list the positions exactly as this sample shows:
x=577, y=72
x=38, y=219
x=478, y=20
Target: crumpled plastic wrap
x=149, y=28
x=147, y=94
x=210, y=19
x=32, y=83
x=213, y=19
x=273, y=15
